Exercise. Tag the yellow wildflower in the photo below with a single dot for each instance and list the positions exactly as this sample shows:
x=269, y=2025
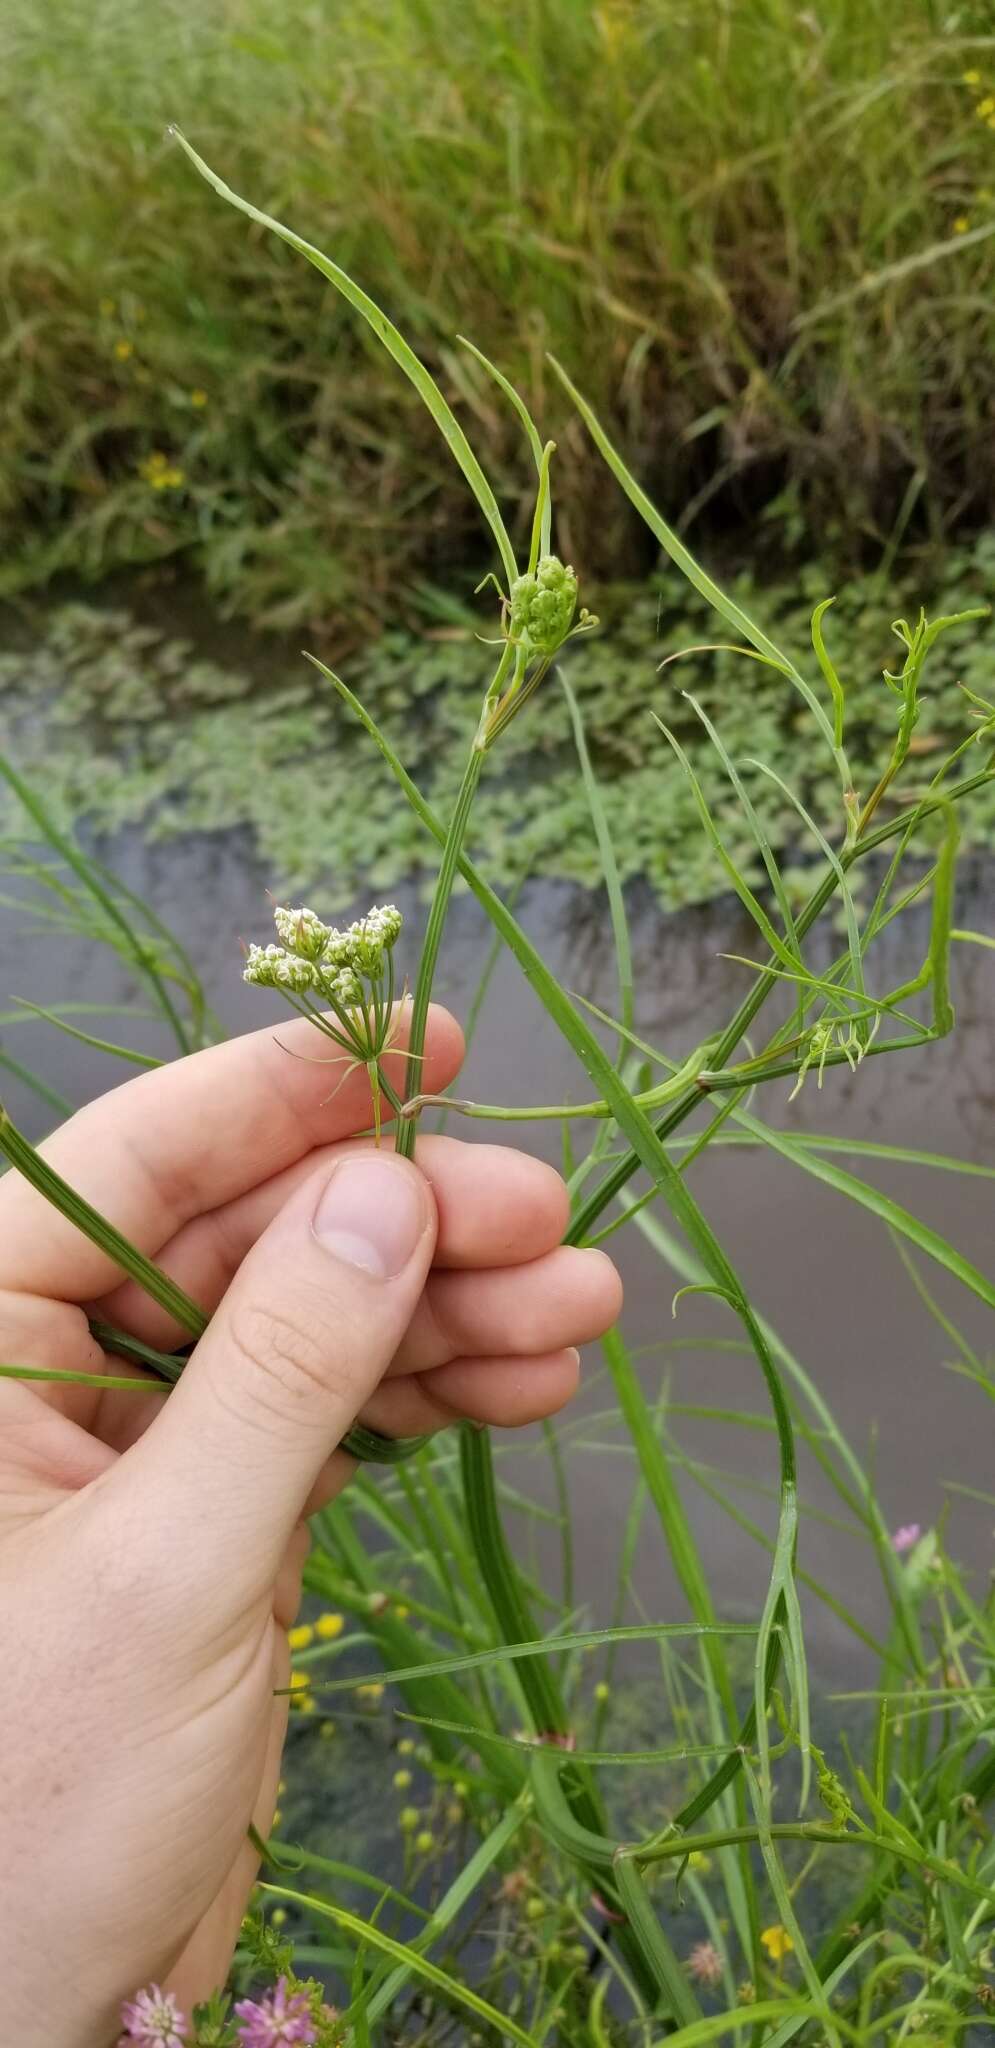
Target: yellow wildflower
x=198, y=398
x=424, y=1841
x=157, y=470
x=406, y=1747
x=407, y=1819
x=602, y=1692
x=308, y=1704
x=961, y=224
x=302, y=1637
x=402, y=1780
x=278, y=1916
x=123, y=349
x=328, y=1626
x=299, y=1680
x=971, y=77
x=985, y=107
x=777, y=1941
x=700, y=1862
x=401, y=1613
x=372, y=1692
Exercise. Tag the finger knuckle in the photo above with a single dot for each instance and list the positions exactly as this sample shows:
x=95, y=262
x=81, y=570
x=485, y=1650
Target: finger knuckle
x=289, y=1352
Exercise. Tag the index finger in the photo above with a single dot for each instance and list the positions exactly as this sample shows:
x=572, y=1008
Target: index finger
x=172, y=1144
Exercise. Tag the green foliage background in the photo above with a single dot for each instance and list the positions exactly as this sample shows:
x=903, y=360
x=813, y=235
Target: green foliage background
x=760, y=237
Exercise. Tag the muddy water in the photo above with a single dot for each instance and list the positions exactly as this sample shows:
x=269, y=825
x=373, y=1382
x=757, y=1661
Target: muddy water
x=821, y=1270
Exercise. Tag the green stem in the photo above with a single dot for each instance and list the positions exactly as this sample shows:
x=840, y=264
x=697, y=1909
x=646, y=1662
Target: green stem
x=653, y=1156
x=405, y=1139
x=91, y=881
x=110, y=1240
x=749, y=1008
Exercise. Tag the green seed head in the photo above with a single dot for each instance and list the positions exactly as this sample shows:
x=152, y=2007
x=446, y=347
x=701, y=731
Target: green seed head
x=542, y=606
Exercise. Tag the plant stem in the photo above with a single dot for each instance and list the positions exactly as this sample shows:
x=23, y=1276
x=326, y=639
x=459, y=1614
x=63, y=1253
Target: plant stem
x=405, y=1139
x=740, y=1023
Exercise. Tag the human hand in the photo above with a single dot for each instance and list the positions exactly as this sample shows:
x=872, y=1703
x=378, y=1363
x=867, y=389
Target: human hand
x=151, y=1549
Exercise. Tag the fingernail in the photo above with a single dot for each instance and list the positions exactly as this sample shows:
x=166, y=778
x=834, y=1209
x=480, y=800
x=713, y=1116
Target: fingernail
x=371, y=1214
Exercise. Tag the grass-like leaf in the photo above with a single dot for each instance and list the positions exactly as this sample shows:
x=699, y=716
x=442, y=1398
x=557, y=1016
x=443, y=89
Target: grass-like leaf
x=392, y=340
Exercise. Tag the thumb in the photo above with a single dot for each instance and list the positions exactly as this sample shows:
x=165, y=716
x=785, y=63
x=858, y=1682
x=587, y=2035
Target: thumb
x=304, y=1334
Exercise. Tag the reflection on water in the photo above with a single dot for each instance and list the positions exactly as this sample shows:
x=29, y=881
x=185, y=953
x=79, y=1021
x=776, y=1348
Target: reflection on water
x=823, y=1271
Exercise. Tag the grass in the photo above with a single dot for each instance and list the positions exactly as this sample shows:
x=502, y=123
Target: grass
x=769, y=1878
x=760, y=239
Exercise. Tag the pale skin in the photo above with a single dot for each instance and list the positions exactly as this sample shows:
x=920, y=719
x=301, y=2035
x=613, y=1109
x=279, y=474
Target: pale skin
x=151, y=1549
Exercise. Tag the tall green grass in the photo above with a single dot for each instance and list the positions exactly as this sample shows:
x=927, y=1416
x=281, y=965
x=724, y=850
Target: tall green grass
x=759, y=237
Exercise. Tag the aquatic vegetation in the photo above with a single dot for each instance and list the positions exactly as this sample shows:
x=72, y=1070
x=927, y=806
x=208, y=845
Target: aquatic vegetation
x=130, y=723
x=763, y=1879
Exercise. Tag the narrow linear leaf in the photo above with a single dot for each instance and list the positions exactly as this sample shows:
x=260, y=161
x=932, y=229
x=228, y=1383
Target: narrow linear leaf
x=104, y=1235
x=882, y=1206
x=546, y=1646
x=392, y=340
x=415, y=1964
x=120, y=1052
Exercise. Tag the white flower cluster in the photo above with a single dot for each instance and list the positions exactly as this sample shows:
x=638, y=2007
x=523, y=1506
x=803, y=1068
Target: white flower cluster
x=362, y=945
x=271, y=967
x=316, y=955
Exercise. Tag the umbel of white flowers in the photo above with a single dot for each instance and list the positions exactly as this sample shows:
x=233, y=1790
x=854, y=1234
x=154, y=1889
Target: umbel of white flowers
x=317, y=956
x=350, y=974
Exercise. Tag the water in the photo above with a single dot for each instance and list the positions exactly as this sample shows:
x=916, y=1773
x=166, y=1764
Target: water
x=823, y=1271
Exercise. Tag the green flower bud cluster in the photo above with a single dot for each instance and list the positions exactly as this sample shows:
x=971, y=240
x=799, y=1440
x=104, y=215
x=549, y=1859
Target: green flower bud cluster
x=542, y=606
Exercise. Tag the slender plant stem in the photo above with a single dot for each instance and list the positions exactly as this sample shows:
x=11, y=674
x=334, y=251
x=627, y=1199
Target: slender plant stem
x=405, y=1139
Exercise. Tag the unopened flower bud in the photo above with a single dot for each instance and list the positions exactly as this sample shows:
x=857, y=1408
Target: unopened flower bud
x=344, y=988
x=296, y=976
x=271, y=967
x=302, y=932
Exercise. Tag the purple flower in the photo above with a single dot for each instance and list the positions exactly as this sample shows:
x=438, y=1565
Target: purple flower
x=277, y=2018
x=152, y=2019
x=906, y=1537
